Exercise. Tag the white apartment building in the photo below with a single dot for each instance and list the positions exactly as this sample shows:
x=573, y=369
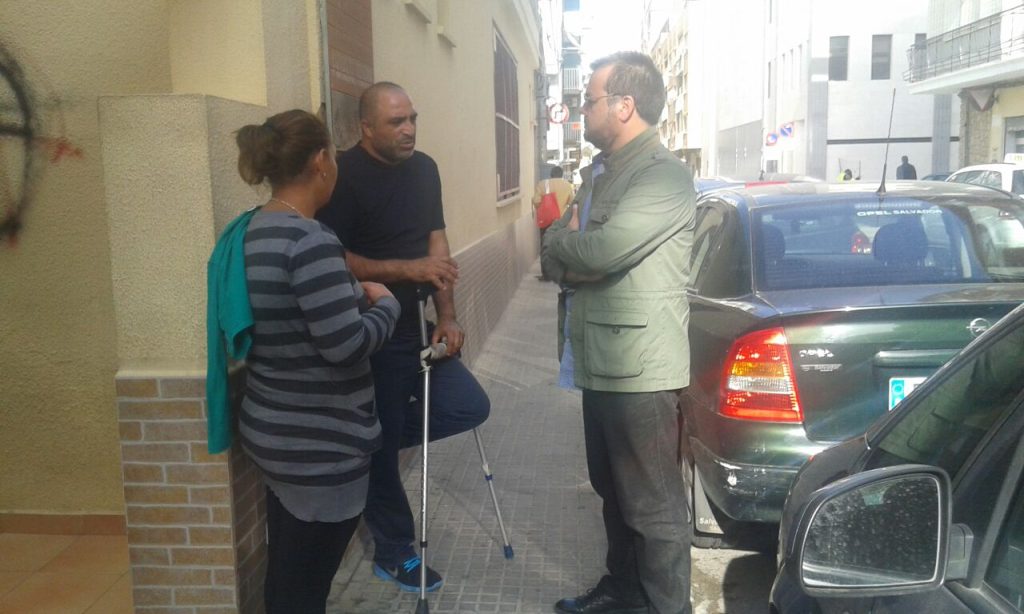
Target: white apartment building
x=805, y=87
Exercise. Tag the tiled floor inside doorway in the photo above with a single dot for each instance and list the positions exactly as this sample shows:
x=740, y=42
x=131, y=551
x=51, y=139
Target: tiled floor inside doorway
x=64, y=574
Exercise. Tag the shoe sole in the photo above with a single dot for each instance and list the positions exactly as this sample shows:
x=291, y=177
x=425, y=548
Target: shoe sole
x=382, y=573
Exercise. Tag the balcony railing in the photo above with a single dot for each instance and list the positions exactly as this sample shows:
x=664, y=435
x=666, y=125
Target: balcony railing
x=996, y=37
x=572, y=80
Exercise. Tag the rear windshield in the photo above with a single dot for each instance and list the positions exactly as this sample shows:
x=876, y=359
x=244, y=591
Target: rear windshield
x=902, y=241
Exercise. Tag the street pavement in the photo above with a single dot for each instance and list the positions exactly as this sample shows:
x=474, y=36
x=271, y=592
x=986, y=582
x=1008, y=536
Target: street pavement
x=534, y=445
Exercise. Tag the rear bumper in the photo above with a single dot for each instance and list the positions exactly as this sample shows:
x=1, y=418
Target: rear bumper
x=750, y=493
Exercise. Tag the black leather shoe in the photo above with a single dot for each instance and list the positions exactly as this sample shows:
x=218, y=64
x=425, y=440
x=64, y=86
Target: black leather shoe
x=598, y=601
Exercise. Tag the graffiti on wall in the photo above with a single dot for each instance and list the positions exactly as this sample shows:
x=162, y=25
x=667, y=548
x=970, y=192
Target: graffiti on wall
x=24, y=149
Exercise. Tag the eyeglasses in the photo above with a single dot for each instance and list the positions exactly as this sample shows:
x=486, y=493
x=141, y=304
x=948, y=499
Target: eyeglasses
x=589, y=103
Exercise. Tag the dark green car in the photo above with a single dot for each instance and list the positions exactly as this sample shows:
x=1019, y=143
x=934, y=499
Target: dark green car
x=815, y=308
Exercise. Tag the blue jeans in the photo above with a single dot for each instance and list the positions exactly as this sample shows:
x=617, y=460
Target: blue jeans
x=633, y=460
x=457, y=404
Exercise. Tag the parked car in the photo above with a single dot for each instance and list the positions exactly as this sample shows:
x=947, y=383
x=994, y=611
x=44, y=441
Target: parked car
x=1001, y=175
x=704, y=185
x=816, y=308
x=935, y=177
x=925, y=512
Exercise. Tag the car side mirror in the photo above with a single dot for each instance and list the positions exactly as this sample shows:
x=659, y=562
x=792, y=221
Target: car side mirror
x=877, y=533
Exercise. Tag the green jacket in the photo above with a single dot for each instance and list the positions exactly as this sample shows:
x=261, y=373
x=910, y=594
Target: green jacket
x=228, y=326
x=629, y=329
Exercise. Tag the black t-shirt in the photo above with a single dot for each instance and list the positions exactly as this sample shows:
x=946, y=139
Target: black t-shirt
x=386, y=212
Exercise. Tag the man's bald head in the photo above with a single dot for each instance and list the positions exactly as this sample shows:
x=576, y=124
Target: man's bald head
x=387, y=121
x=370, y=98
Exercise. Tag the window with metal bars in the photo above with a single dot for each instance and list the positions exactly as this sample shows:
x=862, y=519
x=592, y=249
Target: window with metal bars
x=506, y=119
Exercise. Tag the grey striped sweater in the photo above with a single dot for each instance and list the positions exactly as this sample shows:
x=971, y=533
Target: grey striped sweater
x=308, y=418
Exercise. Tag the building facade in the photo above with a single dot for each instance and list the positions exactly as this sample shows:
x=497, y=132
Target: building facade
x=794, y=87
x=974, y=51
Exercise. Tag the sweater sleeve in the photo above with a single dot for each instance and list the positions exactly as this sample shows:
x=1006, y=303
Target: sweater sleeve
x=329, y=299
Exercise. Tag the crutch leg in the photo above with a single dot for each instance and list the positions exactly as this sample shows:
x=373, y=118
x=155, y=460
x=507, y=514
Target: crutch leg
x=427, y=354
x=489, y=477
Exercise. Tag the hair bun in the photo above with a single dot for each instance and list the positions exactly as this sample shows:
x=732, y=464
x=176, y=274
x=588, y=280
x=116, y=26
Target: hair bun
x=279, y=148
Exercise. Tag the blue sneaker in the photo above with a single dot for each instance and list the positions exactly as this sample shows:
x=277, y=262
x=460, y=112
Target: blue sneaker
x=407, y=575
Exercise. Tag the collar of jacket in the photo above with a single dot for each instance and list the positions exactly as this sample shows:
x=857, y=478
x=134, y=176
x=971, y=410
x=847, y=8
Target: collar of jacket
x=639, y=146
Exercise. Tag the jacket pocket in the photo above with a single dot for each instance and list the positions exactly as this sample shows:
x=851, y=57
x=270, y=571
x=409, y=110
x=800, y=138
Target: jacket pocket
x=614, y=342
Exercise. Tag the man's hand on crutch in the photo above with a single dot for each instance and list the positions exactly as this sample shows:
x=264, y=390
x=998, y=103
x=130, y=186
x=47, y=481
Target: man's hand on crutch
x=449, y=332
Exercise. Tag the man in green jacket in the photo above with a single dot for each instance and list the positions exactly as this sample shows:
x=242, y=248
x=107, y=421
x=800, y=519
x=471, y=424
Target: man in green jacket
x=622, y=251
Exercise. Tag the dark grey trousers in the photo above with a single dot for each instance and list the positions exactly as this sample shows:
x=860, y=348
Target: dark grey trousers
x=632, y=457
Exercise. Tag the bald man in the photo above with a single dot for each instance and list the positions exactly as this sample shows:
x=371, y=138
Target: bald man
x=386, y=209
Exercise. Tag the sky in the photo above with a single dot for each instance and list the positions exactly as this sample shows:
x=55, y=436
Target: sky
x=614, y=25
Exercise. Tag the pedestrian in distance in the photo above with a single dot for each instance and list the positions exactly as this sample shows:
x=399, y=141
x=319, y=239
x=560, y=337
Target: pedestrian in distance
x=307, y=417
x=846, y=175
x=563, y=191
x=906, y=170
x=623, y=253
x=387, y=210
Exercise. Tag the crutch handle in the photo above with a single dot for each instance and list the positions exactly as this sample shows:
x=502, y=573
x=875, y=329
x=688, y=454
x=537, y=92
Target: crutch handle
x=436, y=351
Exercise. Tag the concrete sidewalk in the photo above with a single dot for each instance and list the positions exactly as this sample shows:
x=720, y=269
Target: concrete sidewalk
x=534, y=445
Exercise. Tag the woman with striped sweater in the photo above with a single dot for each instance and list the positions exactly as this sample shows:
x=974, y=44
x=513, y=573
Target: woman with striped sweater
x=307, y=418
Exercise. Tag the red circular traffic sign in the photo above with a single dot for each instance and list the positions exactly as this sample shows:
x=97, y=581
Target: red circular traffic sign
x=558, y=113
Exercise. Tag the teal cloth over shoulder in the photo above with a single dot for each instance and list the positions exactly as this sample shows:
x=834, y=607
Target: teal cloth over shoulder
x=228, y=326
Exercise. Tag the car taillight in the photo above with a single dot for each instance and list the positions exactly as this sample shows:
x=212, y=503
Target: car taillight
x=758, y=382
x=860, y=243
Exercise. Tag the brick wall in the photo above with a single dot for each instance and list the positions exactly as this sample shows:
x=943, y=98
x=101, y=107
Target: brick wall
x=195, y=521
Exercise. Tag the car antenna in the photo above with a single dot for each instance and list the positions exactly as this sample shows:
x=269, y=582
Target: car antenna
x=888, y=139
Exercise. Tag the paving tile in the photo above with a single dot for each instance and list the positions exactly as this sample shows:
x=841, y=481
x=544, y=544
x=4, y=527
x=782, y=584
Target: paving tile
x=11, y=579
x=29, y=552
x=92, y=553
x=117, y=599
x=57, y=593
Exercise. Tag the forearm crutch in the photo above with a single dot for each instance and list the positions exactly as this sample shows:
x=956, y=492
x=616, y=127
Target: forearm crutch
x=428, y=354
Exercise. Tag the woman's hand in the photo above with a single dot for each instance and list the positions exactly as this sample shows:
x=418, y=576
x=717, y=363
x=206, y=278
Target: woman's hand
x=375, y=291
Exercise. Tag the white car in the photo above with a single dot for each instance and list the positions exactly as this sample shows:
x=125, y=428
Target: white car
x=1002, y=175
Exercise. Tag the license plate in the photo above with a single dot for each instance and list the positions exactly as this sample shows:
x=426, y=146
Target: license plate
x=900, y=387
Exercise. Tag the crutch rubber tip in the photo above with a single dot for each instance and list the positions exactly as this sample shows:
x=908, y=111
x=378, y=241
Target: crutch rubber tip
x=508, y=552
x=422, y=607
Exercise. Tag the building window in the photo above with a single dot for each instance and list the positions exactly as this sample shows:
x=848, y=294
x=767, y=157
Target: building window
x=881, y=56
x=506, y=119
x=838, y=57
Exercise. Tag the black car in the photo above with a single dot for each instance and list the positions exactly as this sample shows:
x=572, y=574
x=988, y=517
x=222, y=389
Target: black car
x=815, y=309
x=925, y=512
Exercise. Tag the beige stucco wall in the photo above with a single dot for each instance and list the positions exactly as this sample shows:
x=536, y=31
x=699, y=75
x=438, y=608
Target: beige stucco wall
x=59, y=440
x=216, y=48
x=453, y=91
x=108, y=275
